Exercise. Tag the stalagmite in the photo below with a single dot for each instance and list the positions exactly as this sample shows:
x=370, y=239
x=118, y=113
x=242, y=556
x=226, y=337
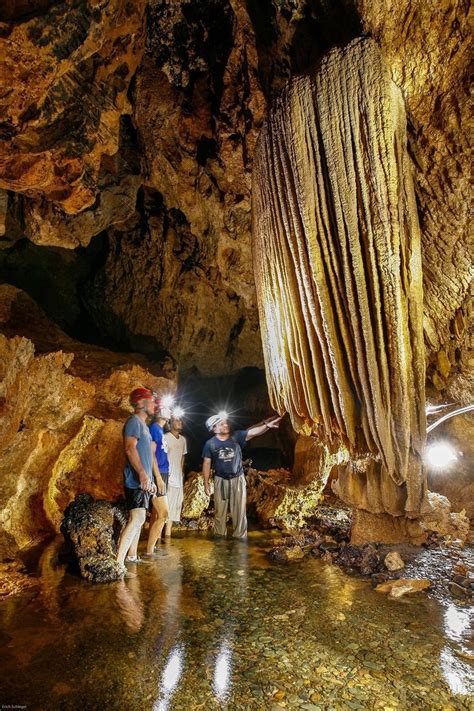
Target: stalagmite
x=338, y=273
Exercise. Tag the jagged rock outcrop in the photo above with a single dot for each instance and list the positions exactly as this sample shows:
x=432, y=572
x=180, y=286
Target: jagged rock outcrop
x=428, y=50
x=338, y=273
x=62, y=407
x=69, y=68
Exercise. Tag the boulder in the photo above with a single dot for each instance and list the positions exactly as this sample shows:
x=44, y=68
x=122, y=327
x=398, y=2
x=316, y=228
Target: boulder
x=442, y=521
x=393, y=561
x=91, y=529
x=282, y=554
x=195, y=499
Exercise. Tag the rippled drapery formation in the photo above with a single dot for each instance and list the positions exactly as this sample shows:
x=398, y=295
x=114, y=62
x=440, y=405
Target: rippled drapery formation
x=338, y=273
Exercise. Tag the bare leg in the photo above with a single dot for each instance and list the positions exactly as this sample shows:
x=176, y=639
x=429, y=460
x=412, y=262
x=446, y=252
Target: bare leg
x=159, y=516
x=133, y=550
x=136, y=519
x=168, y=527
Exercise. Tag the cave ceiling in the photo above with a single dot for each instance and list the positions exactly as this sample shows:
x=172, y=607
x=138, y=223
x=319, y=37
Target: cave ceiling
x=135, y=123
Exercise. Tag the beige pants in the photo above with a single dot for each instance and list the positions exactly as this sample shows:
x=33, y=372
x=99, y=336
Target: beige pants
x=231, y=492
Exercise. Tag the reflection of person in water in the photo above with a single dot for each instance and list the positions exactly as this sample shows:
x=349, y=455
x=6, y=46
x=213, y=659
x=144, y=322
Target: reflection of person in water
x=130, y=604
x=223, y=452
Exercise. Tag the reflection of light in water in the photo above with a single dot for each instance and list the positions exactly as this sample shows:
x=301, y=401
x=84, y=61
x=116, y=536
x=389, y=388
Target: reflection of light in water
x=457, y=624
x=454, y=672
x=173, y=670
x=222, y=672
x=51, y=577
x=170, y=678
x=456, y=621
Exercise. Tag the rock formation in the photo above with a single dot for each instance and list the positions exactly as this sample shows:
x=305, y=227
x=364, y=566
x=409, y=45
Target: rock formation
x=338, y=274
x=63, y=405
x=91, y=529
x=134, y=125
x=69, y=68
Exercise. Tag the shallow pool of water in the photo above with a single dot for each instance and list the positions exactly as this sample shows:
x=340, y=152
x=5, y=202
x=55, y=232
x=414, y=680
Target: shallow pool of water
x=212, y=625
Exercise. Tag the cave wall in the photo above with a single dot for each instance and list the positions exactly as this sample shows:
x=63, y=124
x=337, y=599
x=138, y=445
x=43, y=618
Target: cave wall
x=127, y=136
x=62, y=409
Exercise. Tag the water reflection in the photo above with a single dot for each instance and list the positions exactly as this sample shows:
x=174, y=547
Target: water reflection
x=222, y=671
x=458, y=626
x=170, y=678
x=457, y=621
x=217, y=624
x=454, y=672
x=129, y=604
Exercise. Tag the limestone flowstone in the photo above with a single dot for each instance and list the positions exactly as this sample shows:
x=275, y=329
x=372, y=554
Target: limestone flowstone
x=338, y=272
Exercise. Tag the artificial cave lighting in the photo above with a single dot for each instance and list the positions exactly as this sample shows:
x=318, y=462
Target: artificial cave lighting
x=440, y=455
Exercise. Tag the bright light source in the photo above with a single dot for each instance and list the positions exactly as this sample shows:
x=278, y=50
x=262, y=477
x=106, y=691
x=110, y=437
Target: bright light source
x=223, y=415
x=440, y=455
x=167, y=401
x=178, y=412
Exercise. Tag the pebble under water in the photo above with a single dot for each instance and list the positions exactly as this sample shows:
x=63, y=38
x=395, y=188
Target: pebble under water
x=214, y=625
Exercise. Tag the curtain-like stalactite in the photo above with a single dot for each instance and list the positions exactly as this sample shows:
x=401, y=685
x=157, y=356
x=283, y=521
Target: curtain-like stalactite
x=338, y=273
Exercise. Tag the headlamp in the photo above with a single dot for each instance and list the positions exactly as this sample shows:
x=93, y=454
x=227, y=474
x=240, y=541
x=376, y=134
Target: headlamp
x=167, y=401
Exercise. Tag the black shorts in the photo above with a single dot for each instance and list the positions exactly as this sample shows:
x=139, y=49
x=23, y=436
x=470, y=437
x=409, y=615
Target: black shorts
x=164, y=476
x=137, y=499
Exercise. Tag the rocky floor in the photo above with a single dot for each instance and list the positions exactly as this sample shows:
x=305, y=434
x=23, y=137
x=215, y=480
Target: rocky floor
x=216, y=625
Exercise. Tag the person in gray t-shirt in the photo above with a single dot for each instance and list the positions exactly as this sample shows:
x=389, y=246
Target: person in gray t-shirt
x=138, y=474
x=223, y=452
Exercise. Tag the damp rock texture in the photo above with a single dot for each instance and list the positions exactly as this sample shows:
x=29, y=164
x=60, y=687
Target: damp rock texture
x=69, y=67
x=91, y=529
x=338, y=272
x=428, y=50
x=62, y=408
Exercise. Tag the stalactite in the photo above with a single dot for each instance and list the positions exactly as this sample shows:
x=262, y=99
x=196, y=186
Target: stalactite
x=338, y=273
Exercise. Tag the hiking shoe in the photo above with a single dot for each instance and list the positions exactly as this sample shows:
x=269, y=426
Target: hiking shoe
x=136, y=559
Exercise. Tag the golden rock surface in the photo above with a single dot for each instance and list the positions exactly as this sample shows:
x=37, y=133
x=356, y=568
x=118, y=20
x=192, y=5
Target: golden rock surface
x=68, y=71
x=192, y=102
x=338, y=272
x=62, y=408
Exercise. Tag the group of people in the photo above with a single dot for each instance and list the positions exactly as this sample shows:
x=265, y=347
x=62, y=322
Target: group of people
x=153, y=473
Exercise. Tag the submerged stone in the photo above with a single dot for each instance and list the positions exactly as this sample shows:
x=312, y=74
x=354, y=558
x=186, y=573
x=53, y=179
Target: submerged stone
x=403, y=586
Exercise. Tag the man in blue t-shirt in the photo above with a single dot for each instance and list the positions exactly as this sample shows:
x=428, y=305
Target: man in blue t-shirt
x=223, y=453
x=159, y=510
x=139, y=473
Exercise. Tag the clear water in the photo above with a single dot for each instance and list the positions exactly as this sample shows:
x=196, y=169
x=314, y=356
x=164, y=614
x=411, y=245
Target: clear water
x=214, y=625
